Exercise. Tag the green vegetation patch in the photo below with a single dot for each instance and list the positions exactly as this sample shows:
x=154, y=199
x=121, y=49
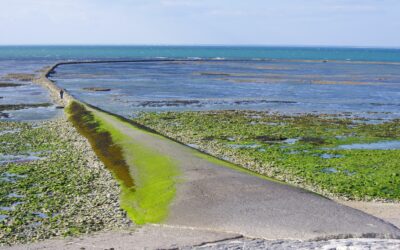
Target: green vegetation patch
x=155, y=175
x=109, y=152
x=58, y=192
x=8, y=107
x=308, y=150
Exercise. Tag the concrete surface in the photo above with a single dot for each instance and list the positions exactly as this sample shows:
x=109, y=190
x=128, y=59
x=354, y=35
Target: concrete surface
x=217, y=198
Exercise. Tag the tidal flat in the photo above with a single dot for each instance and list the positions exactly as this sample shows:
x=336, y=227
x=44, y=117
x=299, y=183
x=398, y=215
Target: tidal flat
x=365, y=89
x=311, y=151
x=53, y=185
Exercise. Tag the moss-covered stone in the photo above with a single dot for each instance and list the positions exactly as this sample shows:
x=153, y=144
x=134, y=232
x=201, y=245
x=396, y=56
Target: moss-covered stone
x=147, y=178
x=304, y=150
x=63, y=191
x=10, y=107
x=9, y=84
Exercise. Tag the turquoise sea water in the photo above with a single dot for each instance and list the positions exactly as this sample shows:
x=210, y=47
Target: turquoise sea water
x=250, y=52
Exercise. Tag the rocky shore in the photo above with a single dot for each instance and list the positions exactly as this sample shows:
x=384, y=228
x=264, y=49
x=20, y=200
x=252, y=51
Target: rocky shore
x=64, y=191
x=359, y=244
x=68, y=192
x=308, y=151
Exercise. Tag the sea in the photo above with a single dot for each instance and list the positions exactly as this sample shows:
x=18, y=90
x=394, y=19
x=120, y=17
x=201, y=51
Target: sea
x=358, y=82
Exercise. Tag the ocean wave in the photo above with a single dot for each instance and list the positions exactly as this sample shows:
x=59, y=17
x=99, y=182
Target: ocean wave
x=195, y=58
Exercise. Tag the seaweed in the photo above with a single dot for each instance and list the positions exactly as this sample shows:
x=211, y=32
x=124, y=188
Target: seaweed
x=9, y=84
x=109, y=153
x=312, y=140
x=155, y=174
x=97, y=89
x=20, y=77
x=66, y=192
x=315, y=145
x=270, y=138
x=4, y=107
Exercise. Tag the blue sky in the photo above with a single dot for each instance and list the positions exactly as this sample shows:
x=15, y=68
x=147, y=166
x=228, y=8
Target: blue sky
x=250, y=22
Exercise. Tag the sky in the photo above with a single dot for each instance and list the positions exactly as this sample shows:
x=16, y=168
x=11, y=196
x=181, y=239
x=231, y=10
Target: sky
x=370, y=23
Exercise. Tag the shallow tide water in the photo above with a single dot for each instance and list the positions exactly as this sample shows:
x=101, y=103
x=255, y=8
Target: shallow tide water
x=369, y=90
x=382, y=145
x=26, y=93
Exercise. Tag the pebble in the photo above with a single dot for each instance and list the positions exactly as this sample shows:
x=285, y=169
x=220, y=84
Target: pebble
x=101, y=205
x=340, y=244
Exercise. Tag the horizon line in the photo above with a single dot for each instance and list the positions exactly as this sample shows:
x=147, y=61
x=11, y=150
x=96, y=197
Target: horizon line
x=204, y=45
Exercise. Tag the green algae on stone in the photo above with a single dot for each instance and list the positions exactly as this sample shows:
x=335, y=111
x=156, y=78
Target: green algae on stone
x=155, y=175
x=296, y=149
x=155, y=179
x=4, y=107
x=102, y=143
x=9, y=84
x=64, y=193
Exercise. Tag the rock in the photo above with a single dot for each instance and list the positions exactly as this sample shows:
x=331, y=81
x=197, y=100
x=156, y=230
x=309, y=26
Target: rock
x=4, y=115
x=9, y=84
x=96, y=89
x=245, y=243
x=20, y=77
x=4, y=107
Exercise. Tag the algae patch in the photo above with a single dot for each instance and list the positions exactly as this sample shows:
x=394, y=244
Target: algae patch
x=335, y=156
x=154, y=175
x=97, y=89
x=8, y=107
x=108, y=152
x=65, y=193
x=9, y=84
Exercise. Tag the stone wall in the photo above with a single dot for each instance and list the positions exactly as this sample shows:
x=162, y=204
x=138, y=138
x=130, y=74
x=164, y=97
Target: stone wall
x=53, y=89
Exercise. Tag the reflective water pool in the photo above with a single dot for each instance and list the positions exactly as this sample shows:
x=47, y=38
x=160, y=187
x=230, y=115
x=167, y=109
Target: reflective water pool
x=25, y=93
x=384, y=145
